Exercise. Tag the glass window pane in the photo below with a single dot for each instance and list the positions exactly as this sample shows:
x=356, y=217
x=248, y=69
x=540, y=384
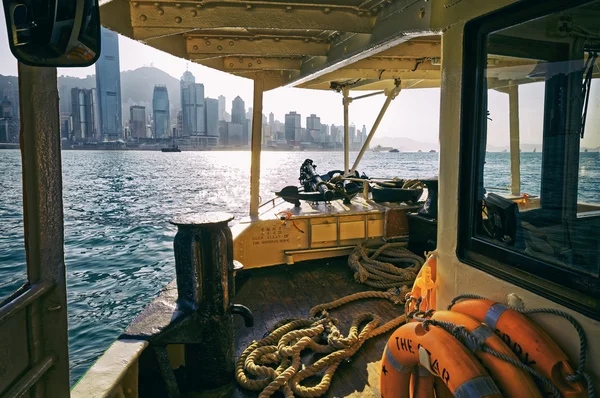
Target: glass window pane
x=540, y=192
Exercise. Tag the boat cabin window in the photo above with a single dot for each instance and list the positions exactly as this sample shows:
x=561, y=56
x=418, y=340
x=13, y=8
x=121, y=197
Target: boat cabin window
x=530, y=164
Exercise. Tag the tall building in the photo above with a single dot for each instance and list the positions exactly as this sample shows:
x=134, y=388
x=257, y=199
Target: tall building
x=222, y=106
x=161, y=114
x=212, y=122
x=313, y=128
x=192, y=105
x=137, y=121
x=293, y=128
x=108, y=88
x=272, y=121
x=238, y=116
x=9, y=128
x=82, y=106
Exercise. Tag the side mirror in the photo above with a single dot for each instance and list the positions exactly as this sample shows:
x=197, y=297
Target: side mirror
x=63, y=33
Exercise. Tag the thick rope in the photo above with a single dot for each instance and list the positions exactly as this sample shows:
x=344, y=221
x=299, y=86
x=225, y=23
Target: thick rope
x=384, y=266
x=274, y=363
x=580, y=372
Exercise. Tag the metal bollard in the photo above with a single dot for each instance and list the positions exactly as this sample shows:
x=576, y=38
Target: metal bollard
x=205, y=281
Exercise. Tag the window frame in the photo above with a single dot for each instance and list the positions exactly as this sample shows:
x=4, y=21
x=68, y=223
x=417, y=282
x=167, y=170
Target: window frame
x=574, y=290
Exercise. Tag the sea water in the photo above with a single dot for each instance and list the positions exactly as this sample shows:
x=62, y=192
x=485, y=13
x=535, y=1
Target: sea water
x=119, y=243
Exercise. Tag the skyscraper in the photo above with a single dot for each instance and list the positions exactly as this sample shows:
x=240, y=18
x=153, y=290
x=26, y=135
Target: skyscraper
x=160, y=110
x=192, y=104
x=222, y=106
x=137, y=121
x=313, y=128
x=108, y=88
x=212, y=121
x=238, y=116
x=293, y=129
x=82, y=106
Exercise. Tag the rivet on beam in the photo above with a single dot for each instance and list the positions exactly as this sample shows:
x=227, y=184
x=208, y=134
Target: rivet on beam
x=258, y=61
x=199, y=5
x=178, y=19
x=288, y=8
x=306, y=40
x=326, y=10
x=143, y=17
x=193, y=13
x=277, y=39
x=360, y=13
x=231, y=64
x=178, y=5
x=157, y=4
x=219, y=48
x=241, y=60
x=135, y=4
x=248, y=6
x=160, y=11
x=249, y=64
x=195, y=47
x=231, y=43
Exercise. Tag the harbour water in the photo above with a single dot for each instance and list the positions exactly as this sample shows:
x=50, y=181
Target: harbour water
x=118, y=242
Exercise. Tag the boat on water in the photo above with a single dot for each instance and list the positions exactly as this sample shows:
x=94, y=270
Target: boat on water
x=307, y=276
x=394, y=150
x=172, y=148
x=380, y=148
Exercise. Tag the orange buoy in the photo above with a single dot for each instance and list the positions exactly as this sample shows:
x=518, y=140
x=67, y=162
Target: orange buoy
x=512, y=381
x=434, y=348
x=421, y=384
x=528, y=341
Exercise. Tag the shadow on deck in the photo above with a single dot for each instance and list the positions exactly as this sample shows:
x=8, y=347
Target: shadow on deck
x=287, y=291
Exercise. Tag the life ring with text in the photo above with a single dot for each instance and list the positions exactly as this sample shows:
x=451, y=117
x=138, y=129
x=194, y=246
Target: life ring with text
x=527, y=340
x=438, y=351
x=512, y=381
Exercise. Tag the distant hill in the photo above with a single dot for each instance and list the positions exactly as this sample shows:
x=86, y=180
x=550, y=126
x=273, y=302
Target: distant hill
x=137, y=87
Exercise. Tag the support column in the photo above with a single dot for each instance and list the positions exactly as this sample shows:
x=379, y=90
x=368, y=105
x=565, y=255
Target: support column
x=256, y=146
x=44, y=234
x=346, y=101
x=390, y=95
x=515, y=156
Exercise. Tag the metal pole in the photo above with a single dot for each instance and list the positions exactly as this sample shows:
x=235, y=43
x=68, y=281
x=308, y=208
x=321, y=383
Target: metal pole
x=256, y=146
x=346, y=101
x=390, y=95
x=515, y=156
x=44, y=231
x=368, y=95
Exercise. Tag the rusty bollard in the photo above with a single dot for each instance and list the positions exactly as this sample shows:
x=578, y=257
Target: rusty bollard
x=205, y=282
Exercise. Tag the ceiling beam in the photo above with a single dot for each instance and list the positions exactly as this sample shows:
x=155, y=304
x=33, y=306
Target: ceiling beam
x=414, y=49
x=264, y=47
x=351, y=74
x=241, y=64
x=397, y=64
x=154, y=19
x=378, y=85
x=395, y=24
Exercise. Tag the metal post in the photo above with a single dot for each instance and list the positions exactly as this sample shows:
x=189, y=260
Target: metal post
x=346, y=101
x=390, y=95
x=256, y=146
x=44, y=233
x=515, y=156
x=205, y=285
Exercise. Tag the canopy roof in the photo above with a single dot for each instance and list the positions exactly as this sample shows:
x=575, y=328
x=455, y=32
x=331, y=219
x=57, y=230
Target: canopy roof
x=321, y=45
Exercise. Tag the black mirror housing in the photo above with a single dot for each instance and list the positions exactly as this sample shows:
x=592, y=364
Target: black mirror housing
x=56, y=33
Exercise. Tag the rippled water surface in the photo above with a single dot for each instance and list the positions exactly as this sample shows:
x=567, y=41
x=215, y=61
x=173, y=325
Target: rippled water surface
x=118, y=242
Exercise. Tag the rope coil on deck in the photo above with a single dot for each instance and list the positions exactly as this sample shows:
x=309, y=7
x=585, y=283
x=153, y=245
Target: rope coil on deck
x=274, y=363
x=384, y=266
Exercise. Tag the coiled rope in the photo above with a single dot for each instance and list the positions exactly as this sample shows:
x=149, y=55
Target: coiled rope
x=273, y=363
x=580, y=372
x=384, y=266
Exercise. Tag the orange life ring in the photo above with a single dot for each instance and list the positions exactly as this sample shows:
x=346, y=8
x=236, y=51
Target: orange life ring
x=527, y=340
x=421, y=384
x=448, y=359
x=512, y=381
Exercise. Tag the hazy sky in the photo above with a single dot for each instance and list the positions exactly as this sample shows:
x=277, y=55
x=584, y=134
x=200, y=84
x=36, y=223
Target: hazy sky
x=413, y=114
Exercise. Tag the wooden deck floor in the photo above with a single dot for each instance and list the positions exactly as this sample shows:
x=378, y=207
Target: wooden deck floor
x=286, y=291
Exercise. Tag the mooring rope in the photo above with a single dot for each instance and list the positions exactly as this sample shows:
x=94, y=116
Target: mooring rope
x=273, y=363
x=384, y=266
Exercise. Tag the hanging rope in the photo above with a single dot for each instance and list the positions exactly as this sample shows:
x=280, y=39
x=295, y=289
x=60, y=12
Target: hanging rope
x=274, y=363
x=384, y=266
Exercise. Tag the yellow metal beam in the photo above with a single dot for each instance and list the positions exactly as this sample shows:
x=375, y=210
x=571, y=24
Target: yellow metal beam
x=198, y=46
x=390, y=63
x=160, y=18
x=351, y=73
x=414, y=49
x=260, y=63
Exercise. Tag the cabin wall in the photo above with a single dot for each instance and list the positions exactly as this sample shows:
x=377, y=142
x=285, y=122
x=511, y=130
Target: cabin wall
x=454, y=277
